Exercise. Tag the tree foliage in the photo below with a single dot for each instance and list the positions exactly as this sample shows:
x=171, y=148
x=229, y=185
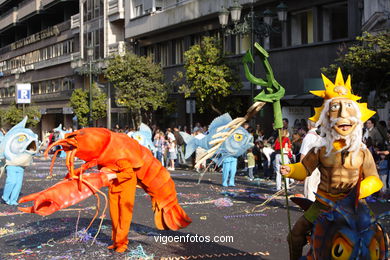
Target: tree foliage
x=208, y=76
x=14, y=114
x=79, y=101
x=368, y=63
x=138, y=83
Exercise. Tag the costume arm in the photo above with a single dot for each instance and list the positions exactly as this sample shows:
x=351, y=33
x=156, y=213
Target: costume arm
x=125, y=172
x=301, y=170
x=297, y=171
x=371, y=182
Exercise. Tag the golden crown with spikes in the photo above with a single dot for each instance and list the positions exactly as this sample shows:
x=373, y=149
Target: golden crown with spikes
x=339, y=89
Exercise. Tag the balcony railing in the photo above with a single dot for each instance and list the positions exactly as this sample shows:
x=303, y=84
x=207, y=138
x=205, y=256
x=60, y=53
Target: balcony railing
x=117, y=48
x=52, y=62
x=28, y=7
x=10, y=17
x=116, y=10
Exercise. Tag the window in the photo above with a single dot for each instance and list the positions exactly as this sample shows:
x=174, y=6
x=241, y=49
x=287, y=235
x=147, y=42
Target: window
x=334, y=22
x=178, y=51
x=35, y=88
x=302, y=27
x=237, y=44
x=276, y=37
x=164, y=54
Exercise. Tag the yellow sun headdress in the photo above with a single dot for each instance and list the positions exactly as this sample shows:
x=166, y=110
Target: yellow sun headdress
x=339, y=89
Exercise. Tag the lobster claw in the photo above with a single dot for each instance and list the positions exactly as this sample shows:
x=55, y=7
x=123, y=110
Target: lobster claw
x=27, y=198
x=64, y=194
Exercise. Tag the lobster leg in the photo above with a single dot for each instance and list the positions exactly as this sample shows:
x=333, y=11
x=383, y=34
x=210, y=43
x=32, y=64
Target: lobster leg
x=121, y=199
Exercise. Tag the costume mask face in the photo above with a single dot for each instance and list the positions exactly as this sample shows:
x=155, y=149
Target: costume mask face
x=341, y=110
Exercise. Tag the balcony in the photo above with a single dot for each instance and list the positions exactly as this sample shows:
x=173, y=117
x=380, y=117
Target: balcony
x=116, y=10
x=180, y=12
x=8, y=18
x=117, y=48
x=75, y=23
x=28, y=7
x=55, y=96
x=47, y=2
x=52, y=62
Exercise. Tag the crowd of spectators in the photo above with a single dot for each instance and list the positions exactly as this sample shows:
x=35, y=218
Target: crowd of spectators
x=264, y=159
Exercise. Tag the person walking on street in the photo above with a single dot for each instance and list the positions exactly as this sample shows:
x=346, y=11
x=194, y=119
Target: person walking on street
x=312, y=181
x=180, y=146
x=250, y=159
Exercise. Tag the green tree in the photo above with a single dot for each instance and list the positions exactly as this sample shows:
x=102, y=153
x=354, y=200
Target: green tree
x=138, y=83
x=209, y=77
x=368, y=63
x=79, y=101
x=14, y=114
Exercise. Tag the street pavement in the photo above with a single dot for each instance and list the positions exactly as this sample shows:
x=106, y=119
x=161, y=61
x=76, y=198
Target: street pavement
x=251, y=216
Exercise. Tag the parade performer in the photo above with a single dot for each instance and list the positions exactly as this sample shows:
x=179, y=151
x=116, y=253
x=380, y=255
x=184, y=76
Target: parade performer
x=17, y=148
x=123, y=163
x=60, y=134
x=144, y=137
x=341, y=157
x=235, y=145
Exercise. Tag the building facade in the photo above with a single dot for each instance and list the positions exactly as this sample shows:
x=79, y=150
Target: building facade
x=308, y=40
x=46, y=43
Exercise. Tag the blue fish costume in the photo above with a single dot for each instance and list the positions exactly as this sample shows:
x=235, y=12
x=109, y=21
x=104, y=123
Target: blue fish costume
x=61, y=135
x=17, y=148
x=234, y=146
x=144, y=137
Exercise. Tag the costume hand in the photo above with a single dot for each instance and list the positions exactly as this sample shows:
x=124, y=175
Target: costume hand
x=110, y=173
x=111, y=176
x=285, y=169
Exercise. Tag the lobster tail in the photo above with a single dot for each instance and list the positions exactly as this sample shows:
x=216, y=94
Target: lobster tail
x=168, y=214
x=157, y=182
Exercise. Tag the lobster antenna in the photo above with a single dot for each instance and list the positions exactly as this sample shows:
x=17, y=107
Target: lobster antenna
x=104, y=210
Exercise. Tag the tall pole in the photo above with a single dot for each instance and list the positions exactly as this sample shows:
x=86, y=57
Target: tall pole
x=253, y=63
x=90, y=93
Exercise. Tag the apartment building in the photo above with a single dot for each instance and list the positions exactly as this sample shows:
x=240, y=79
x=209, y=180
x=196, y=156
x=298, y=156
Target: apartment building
x=45, y=42
x=299, y=46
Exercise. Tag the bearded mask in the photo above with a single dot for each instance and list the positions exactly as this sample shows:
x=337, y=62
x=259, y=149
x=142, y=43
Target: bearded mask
x=343, y=111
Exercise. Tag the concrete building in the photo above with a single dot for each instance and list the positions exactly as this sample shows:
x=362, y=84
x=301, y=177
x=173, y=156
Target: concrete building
x=40, y=44
x=45, y=43
x=308, y=40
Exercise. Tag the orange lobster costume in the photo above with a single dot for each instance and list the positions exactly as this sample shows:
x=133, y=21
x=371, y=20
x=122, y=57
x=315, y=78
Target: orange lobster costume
x=132, y=163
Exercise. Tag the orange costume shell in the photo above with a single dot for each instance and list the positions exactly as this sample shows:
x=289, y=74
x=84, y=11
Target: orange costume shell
x=133, y=164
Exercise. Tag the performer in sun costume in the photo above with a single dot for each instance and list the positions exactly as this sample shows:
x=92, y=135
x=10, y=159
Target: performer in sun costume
x=342, y=158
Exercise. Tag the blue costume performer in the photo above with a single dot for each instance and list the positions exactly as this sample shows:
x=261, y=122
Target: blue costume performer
x=234, y=146
x=17, y=148
x=229, y=169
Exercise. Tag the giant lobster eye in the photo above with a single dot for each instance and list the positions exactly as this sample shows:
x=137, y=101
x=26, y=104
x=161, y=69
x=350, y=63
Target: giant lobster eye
x=341, y=249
